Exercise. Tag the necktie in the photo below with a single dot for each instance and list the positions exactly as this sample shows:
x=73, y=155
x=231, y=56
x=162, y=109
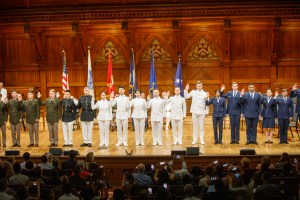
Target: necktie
x=218, y=100
x=252, y=95
x=234, y=93
x=269, y=100
x=284, y=100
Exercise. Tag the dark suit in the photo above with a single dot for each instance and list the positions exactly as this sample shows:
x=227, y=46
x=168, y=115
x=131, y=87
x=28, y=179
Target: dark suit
x=296, y=93
x=219, y=112
x=252, y=108
x=285, y=111
x=269, y=112
x=234, y=109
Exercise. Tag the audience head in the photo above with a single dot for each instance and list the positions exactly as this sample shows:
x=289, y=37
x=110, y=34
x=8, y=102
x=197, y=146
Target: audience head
x=67, y=188
x=38, y=172
x=29, y=165
x=17, y=168
x=64, y=179
x=44, y=159
x=267, y=177
x=246, y=179
x=3, y=184
x=266, y=159
x=80, y=164
x=140, y=168
x=284, y=157
x=89, y=157
x=287, y=169
x=118, y=194
x=246, y=162
x=163, y=176
x=196, y=171
x=26, y=156
x=208, y=170
x=162, y=193
x=8, y=169
x=264, y=166
x=188, y=189
x=219, y=168
x=72, y=154
x=143, y=195
x=55, y=162
x=186, y=179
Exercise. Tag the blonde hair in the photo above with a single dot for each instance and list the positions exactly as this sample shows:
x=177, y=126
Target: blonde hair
x=199, y=82
x=89, y=157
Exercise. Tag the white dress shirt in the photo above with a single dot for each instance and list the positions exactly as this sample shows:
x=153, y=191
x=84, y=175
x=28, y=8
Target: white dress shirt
x=198, y=106
x=157, y=106
x=105, y=109
x=139, y=106
x=178, y=107
x=123, y=107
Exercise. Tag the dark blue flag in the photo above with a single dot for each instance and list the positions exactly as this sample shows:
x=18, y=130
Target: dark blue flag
x=152, y=81
x=178, y=77
x=132, y=77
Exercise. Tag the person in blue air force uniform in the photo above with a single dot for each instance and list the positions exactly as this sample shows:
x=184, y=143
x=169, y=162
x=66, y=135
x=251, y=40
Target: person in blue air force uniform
x=234, y=109
x=296, y=93
x=219, y=111
x=269, y=113
x=252, y=108
x=285, y=115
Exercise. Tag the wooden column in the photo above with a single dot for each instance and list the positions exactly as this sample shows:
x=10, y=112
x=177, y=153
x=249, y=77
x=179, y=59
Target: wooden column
x=274, y=56
x=225, y=66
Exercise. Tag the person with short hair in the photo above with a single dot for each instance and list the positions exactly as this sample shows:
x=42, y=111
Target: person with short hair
x=267, y=188
x=3, y=189
x=45, y=165
x=3, y=120
x=53, y=114
x=140, y=177
x=285, y=115
x=32, y=109
x=71, y=162
x=251, y=102
x=122, y=115
x=67, y=188
x=104, y=117
x=139, y=112
x=69, y=112
x=188, y=190
x=18, y=179
x=157, y=106
x=198, y=110
x=3, y=92
x=86, y=117
x=219, y=112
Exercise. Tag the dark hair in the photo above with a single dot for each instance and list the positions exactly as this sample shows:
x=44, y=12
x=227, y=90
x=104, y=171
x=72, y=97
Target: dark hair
x=267, y=176
x=67, y=187
x=121, y=86
x=3, y=184
x=246, y=178
x=186, y=179
x=217, y=91
x=72, y=154
x=17, y=168
x=29, y=165
x=26, y=156
x=44, y=159
x=196, y=171
x=77, y=170
x=269, y=89
x=250, y=84
x=118, y=194
x=55, y=162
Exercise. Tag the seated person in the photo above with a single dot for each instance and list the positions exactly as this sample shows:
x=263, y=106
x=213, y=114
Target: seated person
x=140, y=177
x=267, y=188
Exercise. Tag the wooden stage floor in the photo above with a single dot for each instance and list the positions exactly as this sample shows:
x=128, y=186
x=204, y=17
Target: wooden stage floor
x=209, y=149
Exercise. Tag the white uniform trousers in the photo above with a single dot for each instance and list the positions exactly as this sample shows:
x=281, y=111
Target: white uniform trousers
x=198, y=126
x=177, y=130
x=139, y=126
x=168, y=119
x=87, y=131
x=104, y=132
x=68, y=132
x=122, y=129
x=157, y=127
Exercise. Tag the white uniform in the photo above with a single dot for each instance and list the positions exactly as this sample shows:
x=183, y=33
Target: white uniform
x=178, y=112
x=139, y=112
x=122, y=115
x=157, y=106
x=3, y=91
x=198, y=110
x=168, y=115
x=104, y=117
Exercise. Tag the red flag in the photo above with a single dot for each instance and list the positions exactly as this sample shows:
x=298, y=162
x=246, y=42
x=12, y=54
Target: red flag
x=110, y=78
x=65, y=78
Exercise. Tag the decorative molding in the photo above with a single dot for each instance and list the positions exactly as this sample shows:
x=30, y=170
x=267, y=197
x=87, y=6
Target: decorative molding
x=159, y=51
x=202, y=50
x=127, y=12
x=115, y=50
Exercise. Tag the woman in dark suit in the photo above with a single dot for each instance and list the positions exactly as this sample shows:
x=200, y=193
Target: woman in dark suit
x=269, y=114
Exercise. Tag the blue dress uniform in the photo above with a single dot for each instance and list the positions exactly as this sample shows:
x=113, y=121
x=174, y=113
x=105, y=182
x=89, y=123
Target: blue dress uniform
x=219, y=112
x=234, y=109
x=252, y=108
x=296, y=93
x=269, y=112
x=285, y=111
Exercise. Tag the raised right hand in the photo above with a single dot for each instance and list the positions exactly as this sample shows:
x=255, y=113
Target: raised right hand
x=295, y=87
x=38, y=95
x=187, y=87
x=242, y=91
x=222, y=87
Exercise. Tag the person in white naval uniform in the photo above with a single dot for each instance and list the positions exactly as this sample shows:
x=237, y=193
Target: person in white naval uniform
x=157, y=106
x=104, y=117
x=198, y=110
x=178, y=113
x=122, y=115
x=139, y=106
x=3, y=91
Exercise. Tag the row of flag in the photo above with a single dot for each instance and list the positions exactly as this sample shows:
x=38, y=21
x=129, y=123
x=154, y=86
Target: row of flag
x=132, y=76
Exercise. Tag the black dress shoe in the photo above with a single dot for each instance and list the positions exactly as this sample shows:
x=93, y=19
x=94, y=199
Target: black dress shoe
x=14, y=145
x=70, y=145
x=237, y=142
x=65, y=145
x=36, y=145
x=83, y=145
x=255, y=143
x=280, y=142
x=232, y=142
x=89, y=145
x=18, y=145
x=247, y=143
x=220, y=142
x=270, y=141
x=4, y=145
x=215, y=142
x=30, y=145
x=286, y=142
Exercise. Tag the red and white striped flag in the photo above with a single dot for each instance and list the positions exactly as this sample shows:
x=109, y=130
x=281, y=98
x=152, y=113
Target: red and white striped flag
x=65, y=78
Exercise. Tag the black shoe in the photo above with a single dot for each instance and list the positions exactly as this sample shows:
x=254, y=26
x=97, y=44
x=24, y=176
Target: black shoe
x=14, y=145
x=51, y=145
x=4, y=145
x=232, y=142
x=286, y=142
x=83, y=145
x=70, y=145
x=270, y=141
x=281, y=142
x=30, y=145
x=89, y=145
x=237, y=142
x=255, y=143
x=216, y=142
x=18, y=145
x=247, y=143
x=65, y=145
x=267, y=141
x=220, y=142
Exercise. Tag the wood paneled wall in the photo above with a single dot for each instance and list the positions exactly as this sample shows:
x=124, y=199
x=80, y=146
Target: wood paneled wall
x=264, y=50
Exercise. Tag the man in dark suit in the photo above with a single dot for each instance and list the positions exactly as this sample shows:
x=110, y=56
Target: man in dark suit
x=69, y=164
x=296, y=93
x=285, y=114
x=234, y=109
x=219, y=112
x=251, y=102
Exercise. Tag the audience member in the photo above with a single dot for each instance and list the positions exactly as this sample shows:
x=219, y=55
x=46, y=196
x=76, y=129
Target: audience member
x=68, y=193
x=18, y=179
x=267, y=188
x=140, y=177
x=26, y=157
x=3, y=190
x=71, y=162
x=90, y=163
x=45, y=165
x=188, y=190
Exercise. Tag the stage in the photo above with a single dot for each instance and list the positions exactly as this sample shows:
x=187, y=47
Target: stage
x=209, y=149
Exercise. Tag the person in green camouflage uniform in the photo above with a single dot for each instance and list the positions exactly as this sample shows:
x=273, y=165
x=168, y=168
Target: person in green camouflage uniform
x=3, y=120
x=32, y=109
x=15, y=117
x=53, y=114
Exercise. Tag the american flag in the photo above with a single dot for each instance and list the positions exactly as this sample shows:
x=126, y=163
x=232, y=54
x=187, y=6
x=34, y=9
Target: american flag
x=65, y=78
